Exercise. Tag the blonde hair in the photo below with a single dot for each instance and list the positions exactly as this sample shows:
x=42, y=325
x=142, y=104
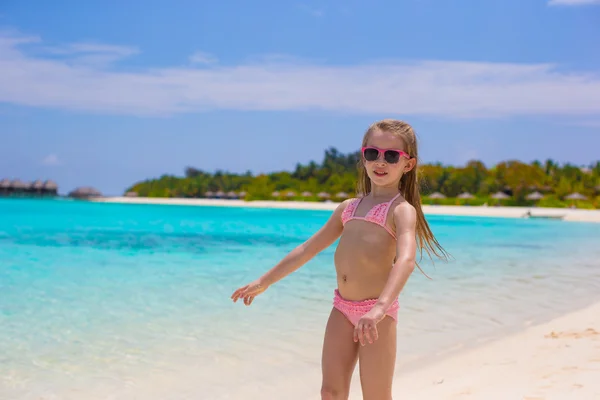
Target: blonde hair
x=409, y=184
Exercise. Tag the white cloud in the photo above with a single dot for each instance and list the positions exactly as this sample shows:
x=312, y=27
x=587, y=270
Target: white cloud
x=51, y=160
x=572, y=2
x=201, y=57
x=88, y=54
x=439, y=88
x=93, y=48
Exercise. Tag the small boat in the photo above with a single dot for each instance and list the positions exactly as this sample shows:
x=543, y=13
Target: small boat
x=528, y=214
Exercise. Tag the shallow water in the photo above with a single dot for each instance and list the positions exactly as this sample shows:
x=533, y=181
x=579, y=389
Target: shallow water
x=114, y=301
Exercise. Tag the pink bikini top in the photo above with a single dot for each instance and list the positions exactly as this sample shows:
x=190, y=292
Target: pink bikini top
x=376, y=215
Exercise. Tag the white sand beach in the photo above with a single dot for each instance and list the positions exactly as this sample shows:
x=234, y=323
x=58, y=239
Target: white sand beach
x=557, y=360
x=566, y=214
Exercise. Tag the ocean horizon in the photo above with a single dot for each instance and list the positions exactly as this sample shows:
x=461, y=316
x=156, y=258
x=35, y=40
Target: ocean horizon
x=127, y=301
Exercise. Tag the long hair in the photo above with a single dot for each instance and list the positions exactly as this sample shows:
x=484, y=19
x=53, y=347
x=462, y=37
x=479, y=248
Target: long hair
x=409, y=184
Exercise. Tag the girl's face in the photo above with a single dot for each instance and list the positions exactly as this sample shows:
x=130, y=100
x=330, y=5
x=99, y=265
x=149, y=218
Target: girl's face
x=386, y=159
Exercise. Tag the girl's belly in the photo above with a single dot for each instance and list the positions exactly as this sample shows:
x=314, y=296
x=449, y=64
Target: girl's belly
x=363, y=266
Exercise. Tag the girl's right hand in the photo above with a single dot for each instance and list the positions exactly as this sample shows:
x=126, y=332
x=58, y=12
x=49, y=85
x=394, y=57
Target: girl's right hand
x=249, y=292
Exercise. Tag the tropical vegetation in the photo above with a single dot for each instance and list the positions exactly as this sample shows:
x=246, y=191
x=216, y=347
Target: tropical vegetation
x=510, y=182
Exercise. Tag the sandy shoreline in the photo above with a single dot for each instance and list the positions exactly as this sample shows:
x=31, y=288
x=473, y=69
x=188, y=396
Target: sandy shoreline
x=557, y=360
x=503, y=212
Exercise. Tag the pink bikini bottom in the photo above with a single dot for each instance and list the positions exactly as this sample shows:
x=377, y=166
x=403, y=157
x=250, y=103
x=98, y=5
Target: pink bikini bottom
x=354, y=310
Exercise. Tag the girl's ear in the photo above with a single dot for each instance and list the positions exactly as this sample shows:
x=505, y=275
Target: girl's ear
x=410, y=164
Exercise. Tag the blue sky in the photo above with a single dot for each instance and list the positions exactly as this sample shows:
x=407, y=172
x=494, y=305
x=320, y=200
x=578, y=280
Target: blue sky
x=108, y=93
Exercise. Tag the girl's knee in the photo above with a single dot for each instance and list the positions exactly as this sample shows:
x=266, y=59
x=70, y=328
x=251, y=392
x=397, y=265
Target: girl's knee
x=330, y=393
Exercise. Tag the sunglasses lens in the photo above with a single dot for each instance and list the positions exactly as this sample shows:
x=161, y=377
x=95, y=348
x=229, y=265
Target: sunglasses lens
x=391, y=156
x=371, y=154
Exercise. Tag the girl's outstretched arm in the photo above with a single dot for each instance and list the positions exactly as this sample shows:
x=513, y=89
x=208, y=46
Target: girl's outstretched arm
x=322, y=239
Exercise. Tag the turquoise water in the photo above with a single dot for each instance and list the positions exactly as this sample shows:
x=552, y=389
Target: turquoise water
x=115, y=301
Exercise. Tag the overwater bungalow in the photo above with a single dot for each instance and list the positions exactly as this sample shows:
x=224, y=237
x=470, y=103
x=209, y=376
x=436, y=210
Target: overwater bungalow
x=4, y=187
x=50, y=188
x=18, y=188
x=85, y=193
x=36, y=187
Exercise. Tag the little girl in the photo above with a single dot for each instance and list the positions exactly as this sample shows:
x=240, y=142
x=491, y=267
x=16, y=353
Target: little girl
x=379, y=234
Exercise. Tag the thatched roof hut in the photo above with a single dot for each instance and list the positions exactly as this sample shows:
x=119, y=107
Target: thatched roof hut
x=37, y=186
x=306, y=194
x=465, y=195
x=17, y=184
x=209, y=194
x=341, y=195
x=84, y=193
x=290, y=193
x=500, y=196
x=19, y=187
x=575, y=196
x=50, y=186
x=242, y=194
x=131, y=194
x=220, y=194
x=534, y=196
x=232, y=195
x=5, y=184
x=275, y=194
x=437, y=195
x=323, y=195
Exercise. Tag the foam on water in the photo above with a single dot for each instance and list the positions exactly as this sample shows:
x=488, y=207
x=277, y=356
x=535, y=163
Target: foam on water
x=108, y=301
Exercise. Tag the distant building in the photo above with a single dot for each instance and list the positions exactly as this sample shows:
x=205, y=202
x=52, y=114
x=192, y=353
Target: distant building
x=18, y=188
x=85, y=193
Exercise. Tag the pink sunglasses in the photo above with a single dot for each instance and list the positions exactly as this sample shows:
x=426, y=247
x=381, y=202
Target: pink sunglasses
x=391, y=156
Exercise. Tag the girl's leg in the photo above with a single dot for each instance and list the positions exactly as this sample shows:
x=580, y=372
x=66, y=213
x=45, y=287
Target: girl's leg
x=340, y=353
x=377, y=361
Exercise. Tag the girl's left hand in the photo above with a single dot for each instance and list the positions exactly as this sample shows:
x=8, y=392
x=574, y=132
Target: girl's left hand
x=249, y=292
x=366, y=328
